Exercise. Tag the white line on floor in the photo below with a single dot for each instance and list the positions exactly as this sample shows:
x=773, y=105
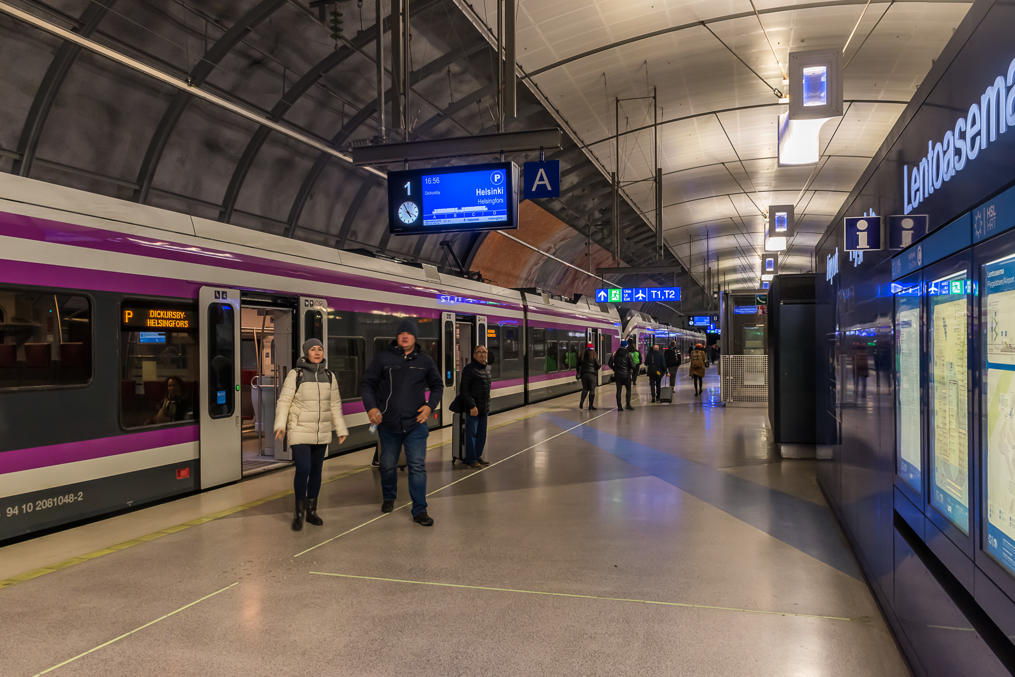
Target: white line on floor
x=573, y=595
x=461, y=479
x=138, y=629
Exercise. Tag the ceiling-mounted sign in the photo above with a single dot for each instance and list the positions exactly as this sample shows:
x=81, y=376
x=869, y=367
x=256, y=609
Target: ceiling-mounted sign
x=905, y=229
x=453, y=199
x=780, y=221
x=770, y=264
x=700, y=321
x=542, y=180
x=815, y=89
x=862, y=233
x=637, y=294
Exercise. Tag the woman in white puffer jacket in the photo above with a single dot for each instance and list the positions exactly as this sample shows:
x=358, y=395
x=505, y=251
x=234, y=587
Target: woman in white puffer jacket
x=308, y=412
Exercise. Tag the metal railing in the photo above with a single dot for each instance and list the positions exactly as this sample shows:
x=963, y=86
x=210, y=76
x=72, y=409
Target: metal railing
x=744, y=380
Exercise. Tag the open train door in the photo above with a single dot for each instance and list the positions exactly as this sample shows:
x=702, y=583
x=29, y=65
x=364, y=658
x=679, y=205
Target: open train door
x=219, y=387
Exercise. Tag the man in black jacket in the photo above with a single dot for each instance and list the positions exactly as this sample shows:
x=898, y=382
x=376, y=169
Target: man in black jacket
x=623, y=370
x=394, y=394
x=475, y=394
x=655, y=364
x=672, y=357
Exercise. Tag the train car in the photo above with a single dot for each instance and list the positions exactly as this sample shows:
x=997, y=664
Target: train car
x=558, y=332
x=140, y=349
x=643, y=331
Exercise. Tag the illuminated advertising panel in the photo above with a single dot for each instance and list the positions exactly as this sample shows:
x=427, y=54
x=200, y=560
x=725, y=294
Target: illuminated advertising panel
x=949, y=394
x=907, y=394
x=999, y=409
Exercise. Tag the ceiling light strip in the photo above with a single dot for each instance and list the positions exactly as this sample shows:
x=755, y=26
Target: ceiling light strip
x=769, y=40
x=177, y=83
x=855, y=26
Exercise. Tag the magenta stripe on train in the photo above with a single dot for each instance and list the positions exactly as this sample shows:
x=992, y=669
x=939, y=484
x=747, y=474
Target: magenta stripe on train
x=58, y=454
x=44, y=230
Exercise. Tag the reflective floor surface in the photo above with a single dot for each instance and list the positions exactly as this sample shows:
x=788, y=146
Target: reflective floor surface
x=668, y=540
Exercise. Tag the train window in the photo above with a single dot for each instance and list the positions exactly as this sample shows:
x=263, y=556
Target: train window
x=45, y=339
x=313, y=325
x=158, y=370
x=538, y=343
x=382, y=343
x=347, y=360
x=449, y=353
x=511, y=346
x=552, y=357
x=572, y=355
x=493, y=334
x=222, y=356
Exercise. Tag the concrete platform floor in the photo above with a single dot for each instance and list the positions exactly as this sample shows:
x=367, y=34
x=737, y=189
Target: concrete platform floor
x=669, y=540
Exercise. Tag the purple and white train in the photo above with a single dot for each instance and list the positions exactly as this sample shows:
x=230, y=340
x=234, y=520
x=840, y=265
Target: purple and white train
x=139, y=348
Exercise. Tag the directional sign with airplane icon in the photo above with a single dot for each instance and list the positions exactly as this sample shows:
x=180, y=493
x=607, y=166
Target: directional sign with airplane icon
x=637, y=294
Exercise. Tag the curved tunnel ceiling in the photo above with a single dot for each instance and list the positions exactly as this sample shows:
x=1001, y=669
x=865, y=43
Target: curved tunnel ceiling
x=75, y=118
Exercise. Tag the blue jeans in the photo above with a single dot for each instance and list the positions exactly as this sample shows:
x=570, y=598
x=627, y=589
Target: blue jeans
x=414, y=442
x=309, y=460
x=475, y=437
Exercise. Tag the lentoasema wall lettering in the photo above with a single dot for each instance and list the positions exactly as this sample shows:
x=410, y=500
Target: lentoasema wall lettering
x=986, y=119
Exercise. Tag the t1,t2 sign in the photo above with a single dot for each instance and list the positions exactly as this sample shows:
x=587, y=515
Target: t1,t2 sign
x=453, y=199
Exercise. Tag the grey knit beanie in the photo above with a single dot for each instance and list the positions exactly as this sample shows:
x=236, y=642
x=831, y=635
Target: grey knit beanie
x=310, y=343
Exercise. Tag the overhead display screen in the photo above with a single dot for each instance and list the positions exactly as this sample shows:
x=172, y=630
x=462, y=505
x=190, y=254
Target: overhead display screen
x=949, y=393
x=999, y=409
x=453, y=199
x=907, y=394
x=701, y=320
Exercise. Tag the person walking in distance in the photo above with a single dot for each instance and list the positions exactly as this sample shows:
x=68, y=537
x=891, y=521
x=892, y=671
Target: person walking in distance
x=623, y=371
x=395, y=396
x=475, y=393
x=672, y=358
x=308, y=412
x=655, y=364
x=588, y=374
x=698, y=367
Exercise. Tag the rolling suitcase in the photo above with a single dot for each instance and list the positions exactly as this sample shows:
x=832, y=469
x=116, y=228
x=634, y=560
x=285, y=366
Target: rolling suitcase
x=666, y=394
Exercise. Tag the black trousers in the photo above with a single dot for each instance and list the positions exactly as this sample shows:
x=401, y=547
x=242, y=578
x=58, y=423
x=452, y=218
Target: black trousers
x=588, y=390
x=697, y=384
x=623, y=383
x=655, y=383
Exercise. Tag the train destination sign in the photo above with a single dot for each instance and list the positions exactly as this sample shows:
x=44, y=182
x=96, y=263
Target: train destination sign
x=453, y=199
x=637, y=294
x=158, y=317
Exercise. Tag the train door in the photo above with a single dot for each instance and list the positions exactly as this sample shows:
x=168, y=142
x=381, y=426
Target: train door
x=219, y=385
x=267, y=352
x=449, y=350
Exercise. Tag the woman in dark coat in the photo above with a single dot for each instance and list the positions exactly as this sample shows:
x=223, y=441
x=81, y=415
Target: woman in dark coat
x=588, y=374
x=698, y=367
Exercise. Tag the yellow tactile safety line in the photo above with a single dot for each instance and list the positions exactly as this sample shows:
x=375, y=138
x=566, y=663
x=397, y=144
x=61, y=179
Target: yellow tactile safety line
x=204, y=519
x=138, y=629
x=544, y=593
x=80, y=559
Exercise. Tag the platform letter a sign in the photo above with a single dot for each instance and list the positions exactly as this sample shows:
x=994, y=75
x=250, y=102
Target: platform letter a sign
x=542, y=179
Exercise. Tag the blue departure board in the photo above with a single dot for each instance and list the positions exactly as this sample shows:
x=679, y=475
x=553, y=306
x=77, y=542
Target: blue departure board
x=453, y=199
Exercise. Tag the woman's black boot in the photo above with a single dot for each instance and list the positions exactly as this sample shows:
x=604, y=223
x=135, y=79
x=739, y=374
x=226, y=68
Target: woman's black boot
x=298, y=515
x=312, y=517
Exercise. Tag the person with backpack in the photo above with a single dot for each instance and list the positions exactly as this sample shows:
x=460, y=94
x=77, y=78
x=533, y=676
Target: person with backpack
x=588, y=374
x=698, y=367
x=623, y=369
x=655, y=364
x=632, y=348
x=308, y=413
x=672, y=358
x=398, y=379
